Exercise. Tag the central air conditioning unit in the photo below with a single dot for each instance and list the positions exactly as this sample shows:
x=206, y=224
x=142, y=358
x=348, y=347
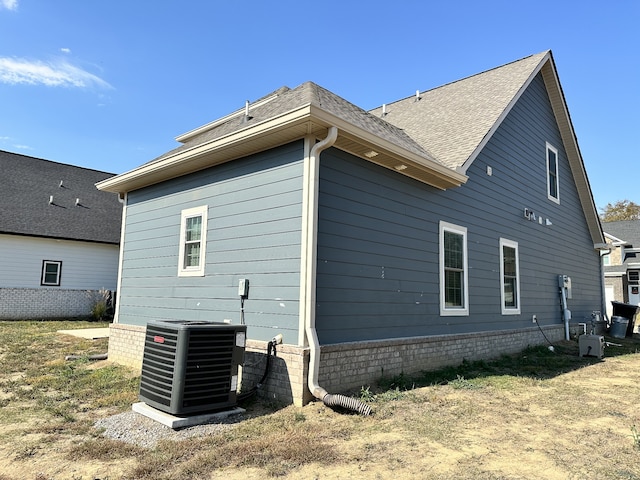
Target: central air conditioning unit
x=191, y=367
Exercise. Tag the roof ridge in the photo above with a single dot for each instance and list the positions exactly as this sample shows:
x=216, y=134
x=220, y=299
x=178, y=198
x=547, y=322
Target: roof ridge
x=56, y=162
x=468, y=77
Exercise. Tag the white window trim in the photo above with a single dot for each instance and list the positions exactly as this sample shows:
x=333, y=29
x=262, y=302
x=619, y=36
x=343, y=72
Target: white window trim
x=454, y=311
x=188, y=213
x=549, y=196
x=509, y=310
x=58, y=273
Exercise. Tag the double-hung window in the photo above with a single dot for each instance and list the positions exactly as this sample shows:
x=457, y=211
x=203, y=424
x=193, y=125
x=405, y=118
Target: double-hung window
x=193, y=241
x=553, y=185
x=454, y=290
x=509, y=277
x=51, y=273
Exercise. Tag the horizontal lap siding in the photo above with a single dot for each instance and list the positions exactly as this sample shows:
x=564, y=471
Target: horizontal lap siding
x=254, y=221
x=378, y=242
x=85, y=265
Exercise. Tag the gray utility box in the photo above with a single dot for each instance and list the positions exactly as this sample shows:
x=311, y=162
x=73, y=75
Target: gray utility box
x=591, y=345
x=191, y=367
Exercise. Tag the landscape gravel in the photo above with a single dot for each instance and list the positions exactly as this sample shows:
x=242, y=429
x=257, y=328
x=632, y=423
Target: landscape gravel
x=134, y=428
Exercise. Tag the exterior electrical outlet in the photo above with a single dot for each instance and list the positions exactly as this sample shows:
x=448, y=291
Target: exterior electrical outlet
x=191, y=367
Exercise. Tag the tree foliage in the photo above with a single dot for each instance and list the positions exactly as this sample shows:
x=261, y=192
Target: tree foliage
x=621, y=210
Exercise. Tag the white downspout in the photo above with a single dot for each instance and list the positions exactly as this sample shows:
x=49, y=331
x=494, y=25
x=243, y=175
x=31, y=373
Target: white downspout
x=603, y=286
x=308, y=274
x=123, y=199
x=312, y=242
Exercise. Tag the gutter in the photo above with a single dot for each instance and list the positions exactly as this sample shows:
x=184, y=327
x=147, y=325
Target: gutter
x=289, y=126
x=331, y=400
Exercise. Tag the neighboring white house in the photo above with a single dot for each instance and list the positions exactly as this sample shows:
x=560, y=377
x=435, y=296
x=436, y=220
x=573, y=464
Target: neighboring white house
x=59, y=238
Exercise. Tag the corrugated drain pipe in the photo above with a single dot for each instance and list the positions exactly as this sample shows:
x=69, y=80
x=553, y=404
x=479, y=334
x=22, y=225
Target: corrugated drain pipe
x=330, y=400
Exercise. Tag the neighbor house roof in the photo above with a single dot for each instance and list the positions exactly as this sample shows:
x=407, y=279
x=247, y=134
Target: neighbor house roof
x=626, y=231
x=48, y=199
x=434, y=139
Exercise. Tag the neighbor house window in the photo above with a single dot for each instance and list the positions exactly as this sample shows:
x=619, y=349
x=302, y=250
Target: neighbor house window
x=553, y=187
x=510, y=277
x=454, y=292
x=193, y=240
x=51, y=271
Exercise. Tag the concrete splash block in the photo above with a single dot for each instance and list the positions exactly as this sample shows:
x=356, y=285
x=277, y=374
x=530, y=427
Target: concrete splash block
x=175, y=422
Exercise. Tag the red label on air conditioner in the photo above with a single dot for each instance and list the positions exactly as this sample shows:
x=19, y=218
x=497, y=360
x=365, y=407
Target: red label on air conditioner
x=158, y=339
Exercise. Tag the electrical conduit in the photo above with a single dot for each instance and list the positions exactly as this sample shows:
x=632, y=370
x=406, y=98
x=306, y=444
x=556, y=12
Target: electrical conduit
x=330, y=400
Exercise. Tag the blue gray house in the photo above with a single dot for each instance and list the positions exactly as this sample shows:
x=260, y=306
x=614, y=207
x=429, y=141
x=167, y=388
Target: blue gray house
x=412, y=236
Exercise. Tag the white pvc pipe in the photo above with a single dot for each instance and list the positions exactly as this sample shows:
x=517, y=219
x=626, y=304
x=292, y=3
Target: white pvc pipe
x=566, y=313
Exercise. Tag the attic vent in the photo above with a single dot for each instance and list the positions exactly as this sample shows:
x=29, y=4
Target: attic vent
x=418, y=97
x=384, y=109
x=61, y=184
x=247, y=117
x=77, y=202
x=50, y=199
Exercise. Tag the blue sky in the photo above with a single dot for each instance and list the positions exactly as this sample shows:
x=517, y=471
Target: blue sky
x=110, y=84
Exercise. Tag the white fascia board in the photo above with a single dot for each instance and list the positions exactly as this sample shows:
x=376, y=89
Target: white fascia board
x=122, y=181
x=615, y=274
x=614, y=240
x=175, y=164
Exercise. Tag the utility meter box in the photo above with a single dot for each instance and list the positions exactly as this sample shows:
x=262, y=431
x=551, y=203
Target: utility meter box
x=564, y=282
x=591, y=345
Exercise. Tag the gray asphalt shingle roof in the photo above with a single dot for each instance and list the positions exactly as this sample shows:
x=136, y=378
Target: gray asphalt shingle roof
x=626, y=230
x=452, y=120
x=446, y=125
x=286, y=99
x=629, y=232
x=439, y=135
x=27, y=185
